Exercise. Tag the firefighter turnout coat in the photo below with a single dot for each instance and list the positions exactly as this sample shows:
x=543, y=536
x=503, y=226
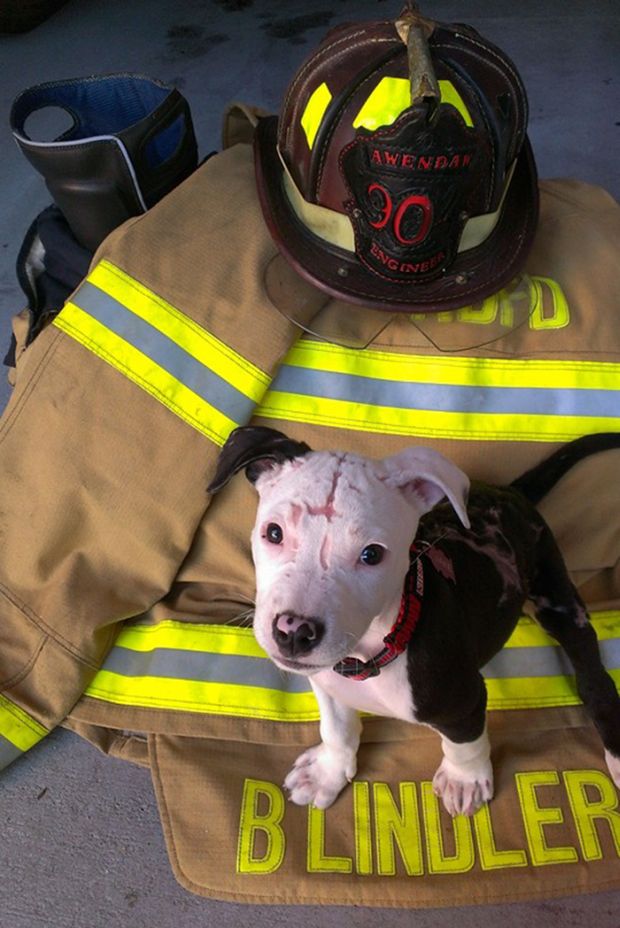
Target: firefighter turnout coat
x=126, y=591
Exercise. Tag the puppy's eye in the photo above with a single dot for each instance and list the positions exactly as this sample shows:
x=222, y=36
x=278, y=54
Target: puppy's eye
x=372, y=554
x=274, y=533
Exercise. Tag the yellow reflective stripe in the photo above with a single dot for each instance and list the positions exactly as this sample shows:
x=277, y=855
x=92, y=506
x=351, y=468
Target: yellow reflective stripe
x=18, y=727
x=139, y=368
x=186, y=636
x=314, y=112
x=385, y=103
x=482, y=372
x=189, y=370
x=186, y=333
x=451, y=96
x=391, y=421
x=237, y=678
x=392, y=96
x=535, y=692
x=451, y=397
x=199, y=696
x=232, y=640
x=383, y=106
x=542, y=691
x=529, y=634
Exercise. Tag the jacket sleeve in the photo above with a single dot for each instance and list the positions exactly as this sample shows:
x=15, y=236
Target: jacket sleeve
x=114, y=428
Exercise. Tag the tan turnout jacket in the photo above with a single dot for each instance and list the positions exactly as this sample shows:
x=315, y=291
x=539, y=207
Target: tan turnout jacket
x=126, y=591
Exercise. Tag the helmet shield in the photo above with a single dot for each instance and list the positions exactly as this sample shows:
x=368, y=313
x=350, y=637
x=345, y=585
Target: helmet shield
x=409, y=184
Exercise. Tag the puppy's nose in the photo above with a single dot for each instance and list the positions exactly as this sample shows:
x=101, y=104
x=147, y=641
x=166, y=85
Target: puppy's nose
x=296, y=634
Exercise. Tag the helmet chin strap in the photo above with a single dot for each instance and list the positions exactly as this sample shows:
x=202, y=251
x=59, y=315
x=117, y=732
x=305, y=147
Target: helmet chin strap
x=399, y=636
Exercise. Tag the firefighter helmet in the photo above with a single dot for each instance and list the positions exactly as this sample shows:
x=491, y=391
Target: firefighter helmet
x=399, y=174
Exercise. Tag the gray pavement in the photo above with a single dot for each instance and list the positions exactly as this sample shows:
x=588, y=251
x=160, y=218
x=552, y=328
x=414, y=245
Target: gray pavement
x=80, y=841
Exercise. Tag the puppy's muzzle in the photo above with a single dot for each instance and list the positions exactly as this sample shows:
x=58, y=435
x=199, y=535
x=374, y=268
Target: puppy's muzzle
x=296, y=635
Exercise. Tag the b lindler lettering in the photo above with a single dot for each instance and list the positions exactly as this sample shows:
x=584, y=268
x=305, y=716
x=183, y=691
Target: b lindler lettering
x=406, y=830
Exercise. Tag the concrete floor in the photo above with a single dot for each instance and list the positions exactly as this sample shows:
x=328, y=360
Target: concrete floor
x=80, y=844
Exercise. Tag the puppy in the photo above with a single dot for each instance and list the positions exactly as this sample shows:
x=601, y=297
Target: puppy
x=390, y=583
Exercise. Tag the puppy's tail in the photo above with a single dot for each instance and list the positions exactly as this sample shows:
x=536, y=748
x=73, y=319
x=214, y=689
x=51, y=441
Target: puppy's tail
x=536, y=483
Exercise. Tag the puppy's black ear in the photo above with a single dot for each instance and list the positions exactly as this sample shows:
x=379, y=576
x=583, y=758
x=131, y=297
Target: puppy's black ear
x=257, y=449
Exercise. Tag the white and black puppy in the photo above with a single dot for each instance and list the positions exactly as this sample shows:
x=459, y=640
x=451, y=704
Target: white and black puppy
x=390, y=583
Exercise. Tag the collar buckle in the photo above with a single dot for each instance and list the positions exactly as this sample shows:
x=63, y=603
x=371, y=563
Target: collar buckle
x=398, y=637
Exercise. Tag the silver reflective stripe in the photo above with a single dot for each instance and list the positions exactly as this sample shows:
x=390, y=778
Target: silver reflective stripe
x=243, y=670
x=8, y=752
x=164, y=351
x=545, y=661
x=204, y=667
x=19, y=731
x=439, y=397
x=221, y=670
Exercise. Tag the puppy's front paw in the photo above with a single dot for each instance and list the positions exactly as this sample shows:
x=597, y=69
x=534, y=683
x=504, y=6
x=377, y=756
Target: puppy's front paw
x=319, y=775
x=462, y=793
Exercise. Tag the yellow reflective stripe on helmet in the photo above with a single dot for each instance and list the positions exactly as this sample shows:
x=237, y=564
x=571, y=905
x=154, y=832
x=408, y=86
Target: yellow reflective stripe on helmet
x=168, y=355
x=451, y=397
x=314, y=112
x=392, y=96
x=18, y=731
x=451, y=97
x=386, y=102
x=222, y=670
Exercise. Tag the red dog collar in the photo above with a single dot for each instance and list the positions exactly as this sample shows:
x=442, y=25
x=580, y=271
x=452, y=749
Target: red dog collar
x=400, y=634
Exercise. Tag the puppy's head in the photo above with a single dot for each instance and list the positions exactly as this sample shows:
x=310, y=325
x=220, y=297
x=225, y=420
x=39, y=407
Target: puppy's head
x=331, y=539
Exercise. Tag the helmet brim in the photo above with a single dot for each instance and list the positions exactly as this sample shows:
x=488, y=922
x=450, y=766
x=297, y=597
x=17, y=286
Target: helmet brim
x=474, y=274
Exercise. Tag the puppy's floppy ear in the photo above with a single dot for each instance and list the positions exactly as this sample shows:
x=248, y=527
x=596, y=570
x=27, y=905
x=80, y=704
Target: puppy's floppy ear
x=257, y=449
x=427, y=476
